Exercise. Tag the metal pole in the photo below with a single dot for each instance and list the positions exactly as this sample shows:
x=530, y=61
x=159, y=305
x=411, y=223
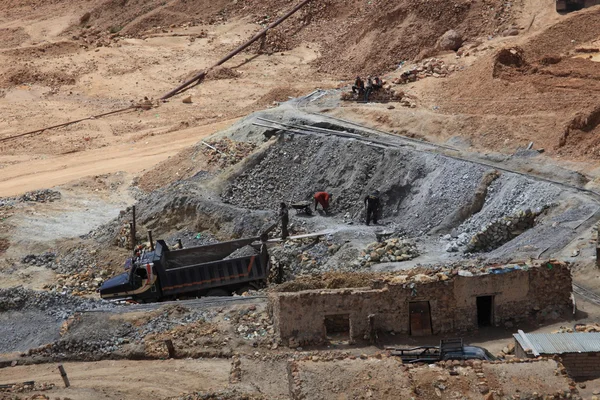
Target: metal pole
x=598, y=246
x=170, y=348
x=63, y=373
x=133, y=230
x=150, y=240
x=260, y=34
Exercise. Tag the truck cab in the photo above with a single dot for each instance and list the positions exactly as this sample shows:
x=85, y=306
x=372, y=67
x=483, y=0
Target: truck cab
x=139, y=281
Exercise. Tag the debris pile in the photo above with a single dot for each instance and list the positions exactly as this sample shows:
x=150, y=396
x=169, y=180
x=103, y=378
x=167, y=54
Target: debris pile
x=501, y=231
x=225, y=152
x=251, y=324
x=390, y=250
x=431, y=67
x=195, y=334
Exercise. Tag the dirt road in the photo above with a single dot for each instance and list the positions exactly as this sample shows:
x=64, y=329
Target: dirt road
x=133, y=157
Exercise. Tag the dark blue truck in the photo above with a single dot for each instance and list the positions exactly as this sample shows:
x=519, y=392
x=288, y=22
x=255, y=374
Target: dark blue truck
x=166, y=274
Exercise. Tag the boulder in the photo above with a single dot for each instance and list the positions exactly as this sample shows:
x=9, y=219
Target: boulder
x=451, y=40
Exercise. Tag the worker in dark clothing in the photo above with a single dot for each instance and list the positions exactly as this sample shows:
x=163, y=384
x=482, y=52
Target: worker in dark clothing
x=377, y=83
x=368, y=88
x=323, y=198
x=359, y=86
x=285, y=219
x=372, y=204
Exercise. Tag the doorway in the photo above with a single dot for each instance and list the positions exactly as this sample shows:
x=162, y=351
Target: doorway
x=420, y=318
x=337, y=327
x=485, y=310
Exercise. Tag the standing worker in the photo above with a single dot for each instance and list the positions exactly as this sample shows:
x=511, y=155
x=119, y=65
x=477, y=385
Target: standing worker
x=285, y=219
x=368, y=89
x=372, y=204
x=323, y=198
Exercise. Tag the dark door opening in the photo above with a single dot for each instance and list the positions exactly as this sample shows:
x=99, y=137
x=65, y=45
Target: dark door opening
x=485, y=308
x=337, y=327
x=420, y=318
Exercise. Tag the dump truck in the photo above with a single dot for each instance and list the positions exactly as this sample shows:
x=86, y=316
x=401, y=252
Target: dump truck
x=449, y=349
x=574, y=5
x=166, y=274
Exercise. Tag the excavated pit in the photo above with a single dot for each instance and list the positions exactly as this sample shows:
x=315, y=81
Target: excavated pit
x=440, y=203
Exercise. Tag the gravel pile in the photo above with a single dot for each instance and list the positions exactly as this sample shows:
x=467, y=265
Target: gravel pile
x=52, y=304
x=246, y=251
x=76, y=260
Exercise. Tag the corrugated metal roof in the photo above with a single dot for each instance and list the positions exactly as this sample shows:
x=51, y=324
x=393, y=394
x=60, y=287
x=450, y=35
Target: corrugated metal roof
x=560, y=343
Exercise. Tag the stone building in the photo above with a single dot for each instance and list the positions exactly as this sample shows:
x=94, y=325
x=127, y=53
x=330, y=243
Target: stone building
x=438, y=303
x=579, y=351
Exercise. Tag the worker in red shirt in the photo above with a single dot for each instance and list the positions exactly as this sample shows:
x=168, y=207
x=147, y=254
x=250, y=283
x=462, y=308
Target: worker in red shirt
x=323, y=198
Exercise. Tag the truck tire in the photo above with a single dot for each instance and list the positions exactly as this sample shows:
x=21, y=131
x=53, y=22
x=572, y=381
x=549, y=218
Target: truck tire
x=218, y=292
x=243, y=289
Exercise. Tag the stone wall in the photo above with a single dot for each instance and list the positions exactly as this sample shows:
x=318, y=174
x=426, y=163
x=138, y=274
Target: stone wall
x=538, y=293
x=582, y=365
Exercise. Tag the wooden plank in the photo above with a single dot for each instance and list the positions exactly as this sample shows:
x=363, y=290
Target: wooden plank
x=307, y=235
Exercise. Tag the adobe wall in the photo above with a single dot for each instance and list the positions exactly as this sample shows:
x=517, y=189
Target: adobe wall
x=535, y=293
x=582, y=365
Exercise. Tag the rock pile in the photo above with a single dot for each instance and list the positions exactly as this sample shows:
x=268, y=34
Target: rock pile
x=45, y=259
x=303, y=256
x=593, y=327
x=431, y=67
x=123, y=238
x=41, y=196
x=79, y=284
x=498, y=232
x=225, y=152
x=390, y=250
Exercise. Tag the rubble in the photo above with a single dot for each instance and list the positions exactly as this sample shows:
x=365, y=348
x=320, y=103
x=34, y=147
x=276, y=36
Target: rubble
x=225, y=152
x=390, y=250
x=430, y=67
x=501, y=231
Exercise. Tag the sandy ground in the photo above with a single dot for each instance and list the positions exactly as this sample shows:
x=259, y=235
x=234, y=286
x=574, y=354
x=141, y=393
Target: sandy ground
x=126, y=379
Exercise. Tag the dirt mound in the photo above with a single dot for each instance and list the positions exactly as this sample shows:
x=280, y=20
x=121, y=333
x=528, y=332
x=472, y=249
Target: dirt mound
x=508, y=60
x=222, y=72
x=278, y=95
